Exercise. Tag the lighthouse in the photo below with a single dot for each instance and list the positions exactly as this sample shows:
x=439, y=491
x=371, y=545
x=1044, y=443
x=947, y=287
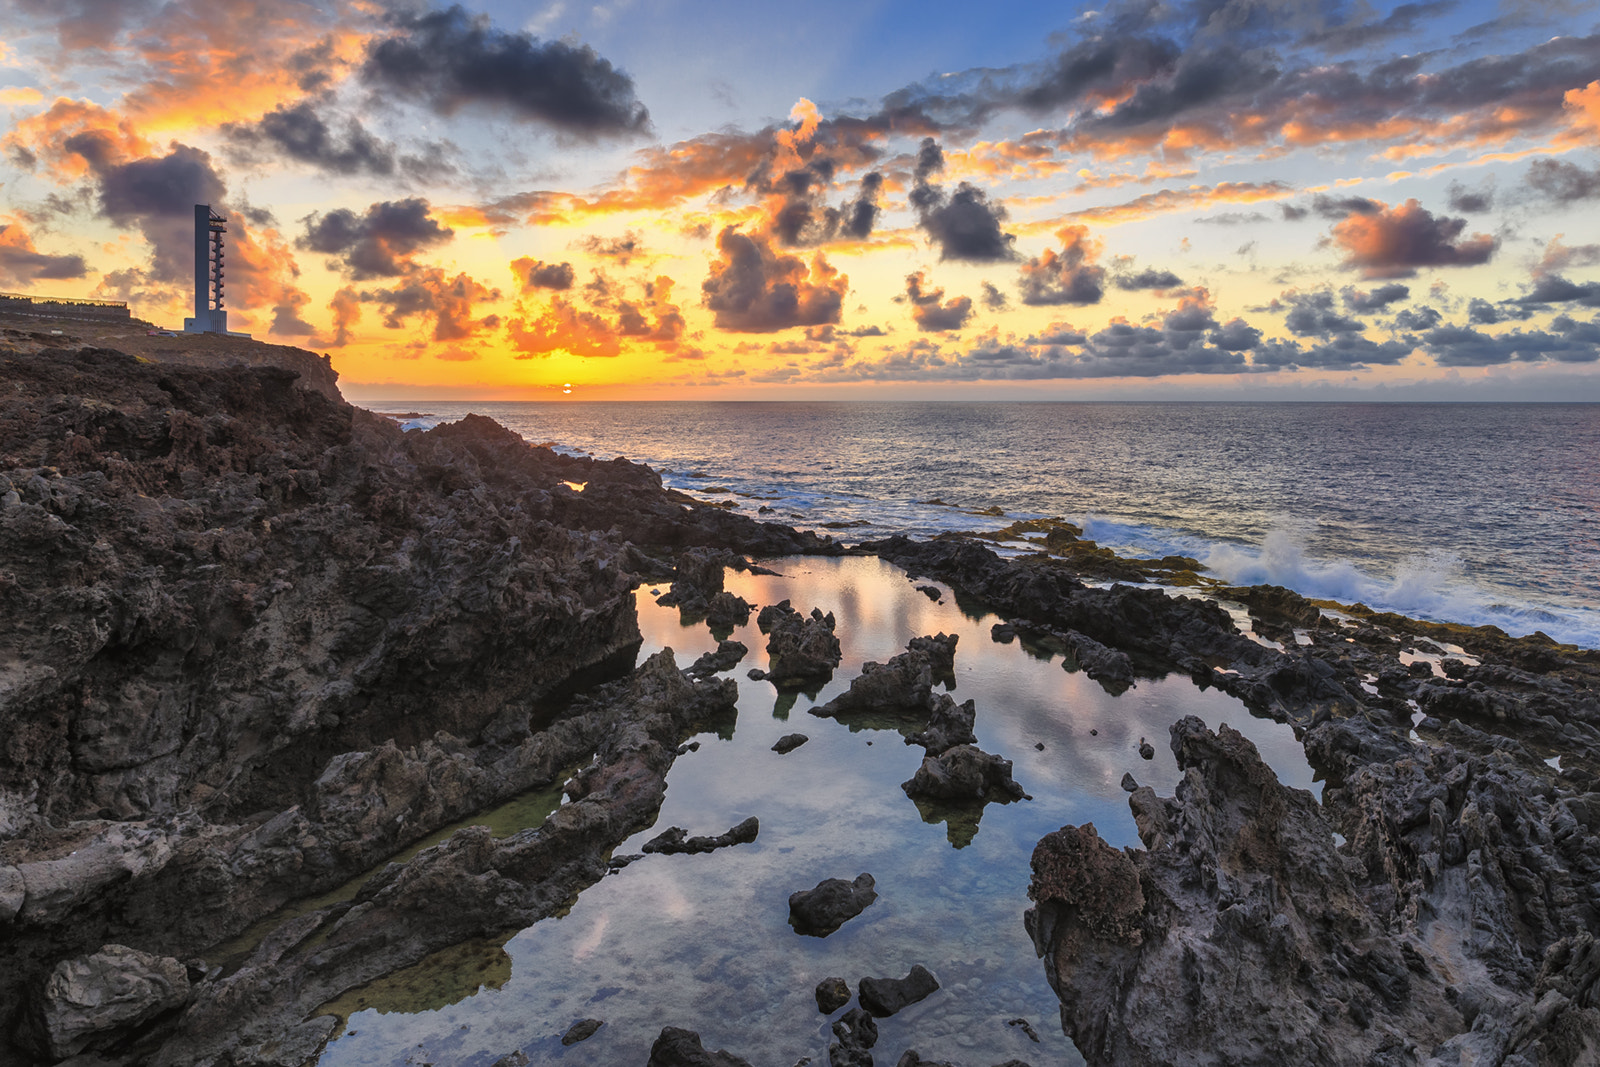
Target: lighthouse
x=209, y=316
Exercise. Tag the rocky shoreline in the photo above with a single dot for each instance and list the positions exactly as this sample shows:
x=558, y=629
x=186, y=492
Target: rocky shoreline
x=256, y=641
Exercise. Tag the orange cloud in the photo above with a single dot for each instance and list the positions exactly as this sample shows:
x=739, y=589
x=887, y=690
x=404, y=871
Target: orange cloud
x=1394, y=242
x=70, y=130
x=261, y=273
x=563, y=328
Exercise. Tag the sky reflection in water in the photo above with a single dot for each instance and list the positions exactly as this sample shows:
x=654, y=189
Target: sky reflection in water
x=703, y=941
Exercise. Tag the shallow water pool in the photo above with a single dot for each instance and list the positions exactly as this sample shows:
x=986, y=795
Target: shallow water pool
x=703, y=941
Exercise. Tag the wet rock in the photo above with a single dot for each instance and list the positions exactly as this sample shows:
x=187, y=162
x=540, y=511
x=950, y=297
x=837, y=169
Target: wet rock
x=725, y=658
x=1026, y=1027
x=676, y=840
x=855, y=1033
x=820, y=911
x=1129, y=785
x=1108, y=666
x=931, y=592
x=97, y=1001
x=949, y=724
x=964, y=773
x=800, y=649
x=725, y=611
x=884, y=997
x=832, y=994
x=788, y=743
x=1146, y=749
x=581, y=1030
x=682, y=1048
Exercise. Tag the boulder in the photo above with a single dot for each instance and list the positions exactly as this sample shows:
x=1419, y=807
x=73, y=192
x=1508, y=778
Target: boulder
x=832, y=994
x=800, y=649
x=682, y=1048
x=582, y=1030
x=949, y=724
x=820, y=911
x=964, y=773
x=788, y=743
x=98, y=1000
x=884, y=997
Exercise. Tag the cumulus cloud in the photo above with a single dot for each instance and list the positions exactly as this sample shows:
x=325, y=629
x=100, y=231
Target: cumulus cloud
x=1564, y=182
x=1395, y=242
x=1070, y=276
x=430, y=293
x=1149, y=278
x=534, y=274
x=379, y=243
x=301, y=134
x=1364, y=302
x=930, y=311
x=752, y=289
x=1554, y=289
x=622, y=249
x=451, y=59
x=1471, y=201
x=1459, y=346
x=963, y=224
x=564, y=327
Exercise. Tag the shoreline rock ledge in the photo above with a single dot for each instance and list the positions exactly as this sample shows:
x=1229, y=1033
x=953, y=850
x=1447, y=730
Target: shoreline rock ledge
x=1243, y=934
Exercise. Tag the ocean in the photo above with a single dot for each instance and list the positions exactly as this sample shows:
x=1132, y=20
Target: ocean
x=1470, y=513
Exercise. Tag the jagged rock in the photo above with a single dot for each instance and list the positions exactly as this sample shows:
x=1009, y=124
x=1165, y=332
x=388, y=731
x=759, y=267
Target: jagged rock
x=682, y=1048
x=1189, y=948
x=727, y=611
x=725, y=658
x=855, y=1033
x=95, y=1001
x=1146, y=750
x=964, y=773
x=582, y=1030
x=949, y=724
x=820, y=911
x=1108, y=666
x=676, y=840
x=884, y=997
x=832, y=994
x=800, y=650
x=788, y=743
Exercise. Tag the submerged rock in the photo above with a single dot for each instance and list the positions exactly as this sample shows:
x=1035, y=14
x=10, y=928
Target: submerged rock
x=832, y=994
x=582, y=1030
x=820, y=911
x=675, y=840
x=682, y=1048
x=788, y=743
x=884, y=997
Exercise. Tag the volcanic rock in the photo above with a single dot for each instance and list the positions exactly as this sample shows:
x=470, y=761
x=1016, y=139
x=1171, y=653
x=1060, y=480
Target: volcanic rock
x=800, y=650
x=682, y=1048
x=676, y=840
x=884, y=997
x=582, y=1030
x=96, y=1001
x=832, y=994
x=788, y=743
x=964, y=773
x=820, y=911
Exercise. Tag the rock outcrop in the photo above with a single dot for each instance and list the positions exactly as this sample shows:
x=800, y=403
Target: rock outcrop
x=801, y=650
x=820, y=911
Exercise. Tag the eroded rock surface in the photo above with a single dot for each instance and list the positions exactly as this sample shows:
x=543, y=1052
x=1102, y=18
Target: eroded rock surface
x=801, y=650
x=833, y=902
x=97, y=1001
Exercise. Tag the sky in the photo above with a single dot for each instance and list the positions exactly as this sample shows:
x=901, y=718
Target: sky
x=872, y=199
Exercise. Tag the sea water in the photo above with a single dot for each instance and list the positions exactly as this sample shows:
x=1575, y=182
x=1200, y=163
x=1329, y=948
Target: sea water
x=703, y=941
x=1471, y=513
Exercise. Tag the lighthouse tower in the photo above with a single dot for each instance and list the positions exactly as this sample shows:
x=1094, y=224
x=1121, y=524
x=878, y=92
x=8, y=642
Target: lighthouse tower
x=209, y=317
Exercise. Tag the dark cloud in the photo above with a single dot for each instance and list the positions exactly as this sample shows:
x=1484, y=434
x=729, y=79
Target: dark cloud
x=379, y=243
x=930, y=161
x=993, y=298
x=1338, y=207
x=538, y=275
x=430, y=293
x=1312, y=315
x=1482, y=313
x=1394, y=242
x=1149, y=278
x=21, y=264
x=1471, y=201
x=862, y=212
x=451, y=59
x=1353, y=36
x=1420, y=318
x=89, y=23
x=1458, y=346
x=1342, y=352
x=1563, y=182
x=930, y=311
x=1364, y=303
x=1104, y=66
x=752, y=289
x=1236, y=218
x=301, y=134
x=1236, y=335
x=963, y=224
x=155, y=193
x=1066, y=277
x=1292, y=213
x=1200, y=78
x=1554, y=289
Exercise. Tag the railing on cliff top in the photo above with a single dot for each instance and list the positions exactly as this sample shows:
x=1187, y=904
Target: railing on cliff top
x=64, y=301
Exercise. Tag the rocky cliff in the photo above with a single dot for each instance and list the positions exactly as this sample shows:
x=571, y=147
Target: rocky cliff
x=253, y=640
